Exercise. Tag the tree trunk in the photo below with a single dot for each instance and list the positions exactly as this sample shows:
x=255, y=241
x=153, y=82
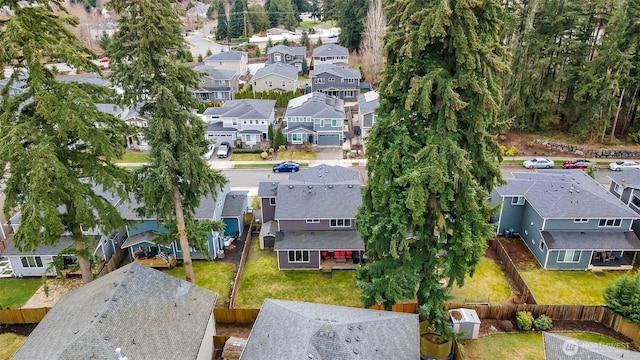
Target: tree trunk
x=83, y=261
x=182, y=234
x=615, y=121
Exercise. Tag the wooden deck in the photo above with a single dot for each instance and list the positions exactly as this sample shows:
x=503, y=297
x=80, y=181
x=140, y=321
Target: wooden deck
x=159, y=263
x=332, y=264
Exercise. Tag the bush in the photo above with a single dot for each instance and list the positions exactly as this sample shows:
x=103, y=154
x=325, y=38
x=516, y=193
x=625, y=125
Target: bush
x=506, y=325
x=524, y=320
x=264, y=155
x=543, y=323
x=622, y=297
x=248, y=151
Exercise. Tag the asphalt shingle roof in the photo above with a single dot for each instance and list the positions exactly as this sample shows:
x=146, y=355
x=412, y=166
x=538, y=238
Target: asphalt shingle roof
x=566, y=194
x=330, y=50
x=293, y=50
x=63, y=243
x=287, y=330
x=562, y=347
x=219, y=126
x=284, y=70
x=88, y=78
x=146, y=313
x=319, y=240
x=368, y=102
x=227, y=55
x=629, y=178
x=317, y=106
x=591, y=240
x=244, y=109
x=306, y=201
x=234, y=204
x=268, y=188
x=339, y=71
x=214, y=73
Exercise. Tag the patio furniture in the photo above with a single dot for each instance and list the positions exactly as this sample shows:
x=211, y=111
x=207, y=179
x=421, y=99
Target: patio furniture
x=597, y=256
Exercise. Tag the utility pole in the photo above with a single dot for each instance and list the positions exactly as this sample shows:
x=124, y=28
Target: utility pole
x=244, y=17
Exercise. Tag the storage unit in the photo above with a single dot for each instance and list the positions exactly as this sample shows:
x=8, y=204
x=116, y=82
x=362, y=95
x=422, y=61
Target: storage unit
x=465, y=322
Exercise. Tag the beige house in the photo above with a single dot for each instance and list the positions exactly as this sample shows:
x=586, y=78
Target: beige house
x=275, y=77
x=230, y=60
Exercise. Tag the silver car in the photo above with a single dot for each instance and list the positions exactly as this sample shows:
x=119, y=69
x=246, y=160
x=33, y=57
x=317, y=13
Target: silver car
x=624, y=164
x=538, y=163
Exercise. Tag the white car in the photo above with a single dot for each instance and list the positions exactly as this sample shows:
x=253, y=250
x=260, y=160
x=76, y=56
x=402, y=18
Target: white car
x=538, y=163
x=209, y=152
x=624, y=164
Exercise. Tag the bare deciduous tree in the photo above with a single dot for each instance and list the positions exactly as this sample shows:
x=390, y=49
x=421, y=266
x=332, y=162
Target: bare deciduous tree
x=371, y=46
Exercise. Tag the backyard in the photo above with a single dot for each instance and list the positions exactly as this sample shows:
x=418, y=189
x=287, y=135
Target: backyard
x=213, y=275
x=14, y=293
x=488, y=285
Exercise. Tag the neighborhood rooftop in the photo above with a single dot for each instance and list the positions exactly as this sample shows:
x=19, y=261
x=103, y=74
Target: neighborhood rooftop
x=284, y=70
x=293, y=50
x=316, y=105
x=629, y=178
x=243, y=109
x=227, y=55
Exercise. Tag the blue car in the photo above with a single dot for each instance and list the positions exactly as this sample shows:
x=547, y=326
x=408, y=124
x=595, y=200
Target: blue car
x=287, y=166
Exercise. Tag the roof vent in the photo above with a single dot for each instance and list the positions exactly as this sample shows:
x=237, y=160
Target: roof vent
x=290, y=186
x=310, y=186
x=330, y=186
x=350, y=186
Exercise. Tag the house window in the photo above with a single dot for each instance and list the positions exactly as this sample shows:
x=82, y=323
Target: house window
x=221, y=82
x=321, y=122
x=349, y=93
x=270, y=83
x=313, y=221
x=251, y=122
x=351, y=81
x=298, y=256
x=610, y=223
x=580, y=220
x=568, y=256
x=218, y=95
x=250, y=139
x=517, y=200
x=31, y=261
x=272, y=201
x=635, y=201
x=255, y=83
x=277, y=57
x=234, y=122
x=335, y=122
x=541, y=247
x=318, y=81
x=284, y=83
x=617, y=189
x=332, y=79
x=340, y=223
x=296, y=139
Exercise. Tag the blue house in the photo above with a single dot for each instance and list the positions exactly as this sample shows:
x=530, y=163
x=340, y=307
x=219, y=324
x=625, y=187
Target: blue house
x=315, y=118
x=567, y=220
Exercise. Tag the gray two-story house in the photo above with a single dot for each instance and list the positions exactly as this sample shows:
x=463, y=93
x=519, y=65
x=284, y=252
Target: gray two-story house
x=290, y=55
x=247, y=120
x=339, y=81
x=567, y=220
x=330, y=54
x=215, y=85
x=367, y=105
x=311, y=217
x=625, y=185
x=315, y=118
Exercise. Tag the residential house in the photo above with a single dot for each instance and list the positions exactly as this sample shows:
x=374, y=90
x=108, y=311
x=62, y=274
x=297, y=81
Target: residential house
x=567, y=220
x=15, y=87
x=625, y=185
x=133, y=312
x=330, y=54
x=315, y=211
x=315, y=118
x=232, y=60
x=287, y=330
x=275, y=77
x=247, y=120
x=85, y=78
x=142, y=232
x=368, y=103
x=557, y=346
x=133, y=117
x=290, y=55
x=216, y=85
x=235, y=206
x=338, y=81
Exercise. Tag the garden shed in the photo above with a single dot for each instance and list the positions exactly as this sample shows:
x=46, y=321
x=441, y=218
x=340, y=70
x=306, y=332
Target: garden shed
x=465, y=322
x=268, y=233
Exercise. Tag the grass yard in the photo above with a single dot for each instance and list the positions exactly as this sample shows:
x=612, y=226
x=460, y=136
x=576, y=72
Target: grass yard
x=281, y=156
x=487, y=284
x=9, y=344
x=261, y=279
x=134, y=157
x=569, y=287
x=213, y=275
x=310, y=24
x=15, y=292
x=520, y=346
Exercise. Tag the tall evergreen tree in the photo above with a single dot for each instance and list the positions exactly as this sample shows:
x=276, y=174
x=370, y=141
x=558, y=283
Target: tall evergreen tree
x=350, y=17
x=432, y=159
x=222, y=31
x=237, y=18
x=56, y=145
x=258, y=18
x=143, y=64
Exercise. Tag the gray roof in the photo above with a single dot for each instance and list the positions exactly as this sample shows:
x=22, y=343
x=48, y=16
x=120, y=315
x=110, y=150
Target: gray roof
x=116, y=110
x=330, y=50
x=284, y=70
x=316, y=105
x=591, y=240
x=227, y=55
x=298, y=128
x=287, y=330
x=219, y=126
x=146, y=313
x=206, y=209
x=368, y=102
x=234, y=204
x=62, y=243
x=565, y=194
x=306, y=201
x=146, y=236
x=319, y=240
x=629, y=178
x=562, y=347
x=293, y=50
x=215, y=73
x=339, y=71
x=326, y=174
x=268, y=228
x=268, y=188
x=244, y=109
x=88, y=78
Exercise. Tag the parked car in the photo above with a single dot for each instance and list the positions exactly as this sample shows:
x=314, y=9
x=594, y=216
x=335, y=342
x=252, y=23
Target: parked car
x=538, y=163
x=223, y=150
x=287, y=166
x=209, y=152
x=104, y=60
x=577, y=164
x=624, y=164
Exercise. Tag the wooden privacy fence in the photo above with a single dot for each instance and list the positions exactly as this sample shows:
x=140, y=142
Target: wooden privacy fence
x=513, y=273
x=243, y=259
x=22, y=316
x=235, y=316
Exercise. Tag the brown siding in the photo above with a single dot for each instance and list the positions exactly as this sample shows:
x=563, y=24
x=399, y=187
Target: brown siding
x=313, y=264
x=293, y=225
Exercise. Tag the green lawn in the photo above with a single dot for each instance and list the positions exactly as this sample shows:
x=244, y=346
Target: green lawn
x=134, y=157
x=9, y=344
x=519, y=346
x=15, y=292
x=310, y=24
x=487, y=284
x=568, y=287
x=213, y=275
x=261, y=279
x=282, y=156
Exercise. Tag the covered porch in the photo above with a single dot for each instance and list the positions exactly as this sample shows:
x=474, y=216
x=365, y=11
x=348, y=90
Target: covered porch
x=612, y=260
x=319, y=250
x=145, y=252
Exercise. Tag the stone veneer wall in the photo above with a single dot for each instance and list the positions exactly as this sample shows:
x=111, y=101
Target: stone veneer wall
x=598, y=153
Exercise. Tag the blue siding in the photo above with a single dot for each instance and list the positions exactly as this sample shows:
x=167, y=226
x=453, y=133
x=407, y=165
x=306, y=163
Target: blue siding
x=583, y=264
x=141, y=226
x=231, y=228
x=511, y=216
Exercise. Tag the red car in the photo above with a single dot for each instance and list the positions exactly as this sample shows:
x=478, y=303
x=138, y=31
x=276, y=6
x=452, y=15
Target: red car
x=104, y=60
x=577, y=164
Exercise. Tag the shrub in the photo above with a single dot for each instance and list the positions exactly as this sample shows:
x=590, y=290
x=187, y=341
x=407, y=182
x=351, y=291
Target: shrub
x=512, y=151
x=543, y=323
x=524, y=320
x=506, y=325
x=621, y=296
x=248, y=151
x=280, y=140
x=264, y=155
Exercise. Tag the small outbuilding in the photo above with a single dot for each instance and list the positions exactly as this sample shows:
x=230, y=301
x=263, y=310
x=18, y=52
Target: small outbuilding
x=465, y=322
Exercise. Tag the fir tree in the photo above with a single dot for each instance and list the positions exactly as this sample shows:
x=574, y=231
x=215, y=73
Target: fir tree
x=222, y=31
x=280, y=139
x=58, y=148
x=176, y=178
x=236, y=18
x=432, y=160
x=305, y=66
